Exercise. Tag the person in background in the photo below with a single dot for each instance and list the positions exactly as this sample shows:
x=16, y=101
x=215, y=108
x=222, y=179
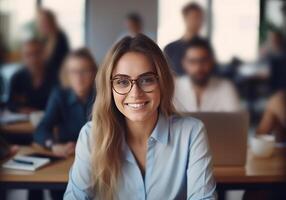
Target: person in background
x=70, y=105
x=274, y=45
x=199, y=89
x=193, y=15
x=7, y=150
x=3, y=50
x=274, y=118
x=133, y=24
x=30, y=87
x=56, y=42
x=274, y=54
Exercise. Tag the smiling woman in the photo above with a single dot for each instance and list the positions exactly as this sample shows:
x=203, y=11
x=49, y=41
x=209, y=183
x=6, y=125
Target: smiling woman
x=137, y=146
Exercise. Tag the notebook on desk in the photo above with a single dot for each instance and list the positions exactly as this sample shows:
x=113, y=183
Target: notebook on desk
x=28, y=163
x=8, y=118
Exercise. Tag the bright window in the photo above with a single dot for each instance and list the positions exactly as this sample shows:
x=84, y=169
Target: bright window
x=14, y=17
x=235, y=29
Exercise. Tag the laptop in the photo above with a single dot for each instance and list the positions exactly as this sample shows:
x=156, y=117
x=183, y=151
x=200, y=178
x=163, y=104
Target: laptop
x=227, y=135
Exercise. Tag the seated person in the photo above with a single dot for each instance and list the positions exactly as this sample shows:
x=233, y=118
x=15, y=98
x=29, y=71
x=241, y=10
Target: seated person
x=199, y=89
x=6, y=149
x=30, y=87
x=274, y=118
x=69, y=107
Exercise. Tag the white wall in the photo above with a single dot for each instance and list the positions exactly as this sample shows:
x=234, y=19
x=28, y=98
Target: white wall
x=105, y=21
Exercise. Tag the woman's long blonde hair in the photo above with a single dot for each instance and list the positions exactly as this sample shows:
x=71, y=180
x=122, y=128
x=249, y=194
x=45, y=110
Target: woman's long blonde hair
x=108, y=124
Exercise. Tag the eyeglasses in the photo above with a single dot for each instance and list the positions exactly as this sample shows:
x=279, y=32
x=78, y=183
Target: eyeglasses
x=123, y=85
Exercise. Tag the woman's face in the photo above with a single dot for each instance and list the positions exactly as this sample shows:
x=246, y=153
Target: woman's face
x=80, y=75
x=137, y=105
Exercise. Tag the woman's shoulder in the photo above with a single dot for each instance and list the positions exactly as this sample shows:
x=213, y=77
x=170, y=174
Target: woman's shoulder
x=85, y=132
x=84, y=138
x=186, y=130
x=186, y=124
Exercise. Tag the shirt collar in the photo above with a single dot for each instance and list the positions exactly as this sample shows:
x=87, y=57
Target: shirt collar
x=161, y=130
x=160, y=133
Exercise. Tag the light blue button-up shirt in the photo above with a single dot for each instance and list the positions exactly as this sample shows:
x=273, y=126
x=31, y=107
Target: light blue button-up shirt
x=178, y=165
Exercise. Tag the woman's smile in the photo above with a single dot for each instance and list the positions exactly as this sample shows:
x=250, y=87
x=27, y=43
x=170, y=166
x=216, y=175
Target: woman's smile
x=137, y=106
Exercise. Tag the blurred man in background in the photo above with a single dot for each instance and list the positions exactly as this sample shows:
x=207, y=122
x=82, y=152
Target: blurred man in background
x=200, y=90
x=30, y=87
x=193, y=15
x=134, y=24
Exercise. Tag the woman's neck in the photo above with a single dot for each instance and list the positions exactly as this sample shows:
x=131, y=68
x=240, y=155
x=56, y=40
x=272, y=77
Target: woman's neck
x=139, y=132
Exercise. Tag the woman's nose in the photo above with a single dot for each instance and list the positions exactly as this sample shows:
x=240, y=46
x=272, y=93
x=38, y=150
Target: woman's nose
x=136, y=91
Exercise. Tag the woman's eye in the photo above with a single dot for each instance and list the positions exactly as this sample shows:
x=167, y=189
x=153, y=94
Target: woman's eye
x=122, y=82
x=147, y=80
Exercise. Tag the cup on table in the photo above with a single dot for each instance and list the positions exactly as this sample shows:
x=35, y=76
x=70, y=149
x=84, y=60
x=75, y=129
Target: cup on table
x=262, y=145
x=36, y=117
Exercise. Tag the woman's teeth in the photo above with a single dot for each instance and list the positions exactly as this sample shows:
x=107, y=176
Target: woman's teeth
x=136, y=105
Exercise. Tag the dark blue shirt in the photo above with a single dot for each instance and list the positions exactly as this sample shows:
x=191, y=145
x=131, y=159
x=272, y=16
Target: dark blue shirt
x=66, y=113
x=24, y=94
x=174, y=53
x=60, y=50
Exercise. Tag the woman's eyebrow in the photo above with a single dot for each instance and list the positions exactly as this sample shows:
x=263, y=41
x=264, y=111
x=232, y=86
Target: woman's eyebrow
x=127, y=76
x=121, y=75
x=146, y=73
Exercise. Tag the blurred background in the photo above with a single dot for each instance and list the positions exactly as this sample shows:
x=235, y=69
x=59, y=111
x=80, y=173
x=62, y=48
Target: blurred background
x=248, y=39
x=238, y=30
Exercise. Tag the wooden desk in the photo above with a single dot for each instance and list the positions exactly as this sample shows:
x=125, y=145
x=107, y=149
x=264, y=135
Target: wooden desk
x=257, y=170
x=20, y=133
x=52, y=176
x=258, y=173
x=18, y=128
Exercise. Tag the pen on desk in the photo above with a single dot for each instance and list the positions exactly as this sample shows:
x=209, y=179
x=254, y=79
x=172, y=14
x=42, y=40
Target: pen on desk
x=23, y=161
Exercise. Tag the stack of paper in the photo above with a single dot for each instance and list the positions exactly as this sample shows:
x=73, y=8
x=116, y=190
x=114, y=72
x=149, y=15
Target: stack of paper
x=28, y=163
x=8, y=117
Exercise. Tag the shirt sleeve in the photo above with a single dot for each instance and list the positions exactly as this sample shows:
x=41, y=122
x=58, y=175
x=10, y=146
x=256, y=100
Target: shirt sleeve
x=200, y=180
x=79, y=184
x=51, y=118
